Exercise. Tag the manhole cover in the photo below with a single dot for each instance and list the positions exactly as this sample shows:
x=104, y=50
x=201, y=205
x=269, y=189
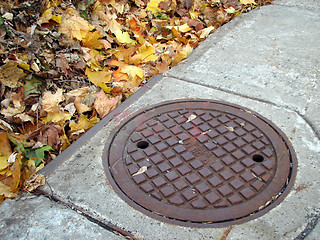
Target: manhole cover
x=200, y=163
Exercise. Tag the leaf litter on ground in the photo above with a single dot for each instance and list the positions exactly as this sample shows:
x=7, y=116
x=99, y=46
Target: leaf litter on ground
x=64, y=65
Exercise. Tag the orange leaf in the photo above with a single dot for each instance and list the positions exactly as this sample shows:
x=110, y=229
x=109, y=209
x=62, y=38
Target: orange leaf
x=91, y=40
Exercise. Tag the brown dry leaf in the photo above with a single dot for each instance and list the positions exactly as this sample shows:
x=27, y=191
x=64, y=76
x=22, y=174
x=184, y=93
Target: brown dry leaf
x=34, y=182
x=51, y=101
x=73, y=25
x=105, y=103
x=6, y=191
x=50, y=135
x=80, y=92
x=62, y=63
x=5, y=151
x=16, y=174
x=230, y=129
x=10, y=74
x=140, y=171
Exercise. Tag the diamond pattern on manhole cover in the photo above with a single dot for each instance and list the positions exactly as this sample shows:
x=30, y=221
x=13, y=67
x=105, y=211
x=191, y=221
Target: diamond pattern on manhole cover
x=200, y=163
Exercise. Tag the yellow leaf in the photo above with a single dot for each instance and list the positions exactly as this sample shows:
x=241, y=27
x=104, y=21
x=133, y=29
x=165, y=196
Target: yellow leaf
x=230, y=10
x=56, y=117
x=114, y=26
x=132, y=71
x=247, y=1
x=83, y=123
x=184, y=28
x=25, y=66
x=205, y=32
x=51, y=101
x=186, y=50
x=96, y=58
x=124, y=37
x=46, y=16
x=73, y=25
x=146, y=54
x=153, y=6
x=57, y=18
x=194, y=15
x=100, y=78
x=91, y=40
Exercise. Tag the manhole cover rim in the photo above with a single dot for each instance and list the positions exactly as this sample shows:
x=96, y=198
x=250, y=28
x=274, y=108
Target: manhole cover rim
x=179, y=221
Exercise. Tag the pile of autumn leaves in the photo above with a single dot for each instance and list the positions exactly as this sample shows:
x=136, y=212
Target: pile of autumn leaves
x=121, y=45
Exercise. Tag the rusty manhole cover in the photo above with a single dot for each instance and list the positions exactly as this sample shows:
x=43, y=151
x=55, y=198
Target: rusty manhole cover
x=200, y=163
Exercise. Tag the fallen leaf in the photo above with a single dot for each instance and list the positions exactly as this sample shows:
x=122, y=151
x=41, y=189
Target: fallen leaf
x=105, y=103
x=50, y=102
x=124, y=37
x=92, y=40
x=57, y=116
x=140, y=171
x=83, y=123
x=73, y=25
x=10, y=74
x=230, y=129
x=192, y=117
x=100, y=78
x=247, y=1
x=153, y=6
x=5, y=150
x=34, y=182
x=205, y=32
x=6, y=191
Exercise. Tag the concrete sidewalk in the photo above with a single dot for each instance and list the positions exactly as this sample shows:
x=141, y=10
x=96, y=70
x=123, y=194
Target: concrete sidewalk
x=268, y=61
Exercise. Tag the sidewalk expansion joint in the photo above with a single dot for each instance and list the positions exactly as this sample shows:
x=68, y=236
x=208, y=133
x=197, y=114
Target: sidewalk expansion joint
x=102, y=223
x=313, y=220
x=311, y=125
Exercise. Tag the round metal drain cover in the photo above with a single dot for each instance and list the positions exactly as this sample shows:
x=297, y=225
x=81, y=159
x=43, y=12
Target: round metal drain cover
x=200, y=163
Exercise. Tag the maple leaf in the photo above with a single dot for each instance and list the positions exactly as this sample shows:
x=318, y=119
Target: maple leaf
x=124, y=37
x=56, y=116
x=205, y=32
x=100, y=78
x=132, y=71
x=73, y=25
x=153, y=6
x=10, y=74
x=186, y=50
x=50, y=102
x=146, y=54
x=47, y=16
x=105, y=103
x=83, y=123
x=91, y=40
x=247, y=2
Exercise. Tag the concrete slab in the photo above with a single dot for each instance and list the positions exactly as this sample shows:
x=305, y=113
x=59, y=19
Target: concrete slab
x=40, y=218
x=266, y=60
x=313, y=5
x=80, y=180
x=271, y=54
